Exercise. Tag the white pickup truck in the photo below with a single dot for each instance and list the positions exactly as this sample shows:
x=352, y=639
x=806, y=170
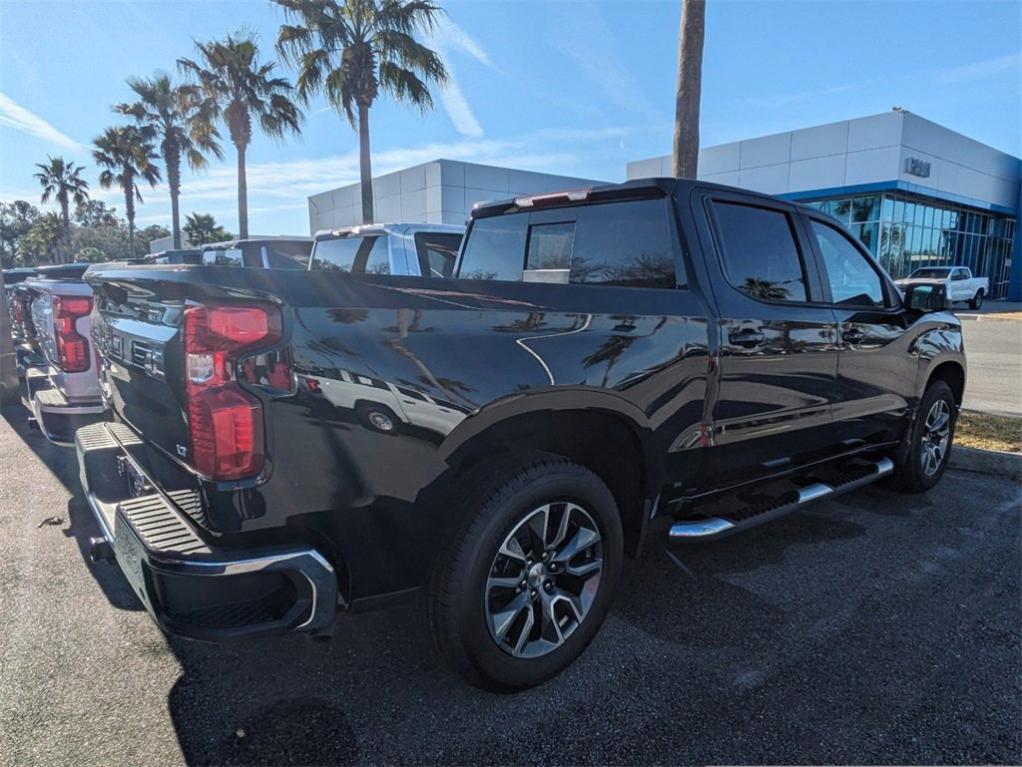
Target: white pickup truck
x=957, y=280
x=61, y=383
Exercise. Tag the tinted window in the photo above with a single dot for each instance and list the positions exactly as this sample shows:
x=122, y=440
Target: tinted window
x=548, y=258
x=853, y=281
x=760, y=254
x=352, y=254
x=438, y=253
x=495, y=249
x=625, y=243
x=287, y=255
x=232, y=257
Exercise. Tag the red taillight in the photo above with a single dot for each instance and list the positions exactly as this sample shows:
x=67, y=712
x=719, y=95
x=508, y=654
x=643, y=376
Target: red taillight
x=225, y=421
x=72, y=346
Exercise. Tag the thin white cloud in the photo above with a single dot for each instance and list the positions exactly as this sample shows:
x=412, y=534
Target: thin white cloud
x=457, y=108
x=980, y=69
x=590, y=43
x=447, y=37
x=13, y=115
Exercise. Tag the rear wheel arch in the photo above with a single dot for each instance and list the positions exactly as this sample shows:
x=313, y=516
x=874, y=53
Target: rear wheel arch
x=607, y=443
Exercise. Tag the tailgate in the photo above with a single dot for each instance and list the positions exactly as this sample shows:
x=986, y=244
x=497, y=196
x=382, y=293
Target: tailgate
x=138, y=330
x=137, y=335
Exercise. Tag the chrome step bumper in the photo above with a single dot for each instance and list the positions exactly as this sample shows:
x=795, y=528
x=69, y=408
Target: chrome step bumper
x=713, y=528
x=190, y=584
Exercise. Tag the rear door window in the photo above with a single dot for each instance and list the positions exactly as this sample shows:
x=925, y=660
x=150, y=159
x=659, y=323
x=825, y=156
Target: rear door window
x=438, y=253
x=628, y=244
x=760, y=251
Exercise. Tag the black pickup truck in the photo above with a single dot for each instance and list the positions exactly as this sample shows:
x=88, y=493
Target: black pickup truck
x=653, y=361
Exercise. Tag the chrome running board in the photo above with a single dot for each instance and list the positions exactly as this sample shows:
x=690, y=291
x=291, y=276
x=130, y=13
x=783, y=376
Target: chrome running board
x=712, y=528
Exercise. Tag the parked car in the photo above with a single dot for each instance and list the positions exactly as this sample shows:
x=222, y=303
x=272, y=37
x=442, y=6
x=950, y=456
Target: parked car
x=260, y=253
x=658, y=360
x=957, y=281
x=410, y=249
x=57, y=364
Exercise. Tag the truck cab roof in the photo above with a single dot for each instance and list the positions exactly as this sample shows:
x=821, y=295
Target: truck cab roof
x=659, y=186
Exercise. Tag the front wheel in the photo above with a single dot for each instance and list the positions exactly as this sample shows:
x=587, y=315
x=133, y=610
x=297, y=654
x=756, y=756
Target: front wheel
x=530, y=577
x=929, y=441
x=977, y=300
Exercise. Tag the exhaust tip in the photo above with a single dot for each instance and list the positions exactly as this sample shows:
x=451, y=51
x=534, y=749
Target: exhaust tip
x=100, y=550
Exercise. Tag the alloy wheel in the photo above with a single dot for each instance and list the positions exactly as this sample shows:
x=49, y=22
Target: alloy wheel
x=544, y=579
x=936, y=437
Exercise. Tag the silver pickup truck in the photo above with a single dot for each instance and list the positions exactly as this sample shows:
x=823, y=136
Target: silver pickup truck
x=61, y=385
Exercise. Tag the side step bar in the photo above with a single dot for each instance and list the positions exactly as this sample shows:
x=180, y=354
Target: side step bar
x=712, y=528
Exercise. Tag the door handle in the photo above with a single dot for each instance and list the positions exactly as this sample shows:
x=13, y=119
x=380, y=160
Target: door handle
x=747, y=338
x=853, y=336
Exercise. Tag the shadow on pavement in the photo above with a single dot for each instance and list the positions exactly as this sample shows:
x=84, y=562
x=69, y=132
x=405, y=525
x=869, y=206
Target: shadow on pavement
x=292, y=700
x=61, y=461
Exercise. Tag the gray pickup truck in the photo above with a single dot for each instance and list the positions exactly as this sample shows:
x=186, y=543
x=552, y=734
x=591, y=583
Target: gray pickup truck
x=56, y=359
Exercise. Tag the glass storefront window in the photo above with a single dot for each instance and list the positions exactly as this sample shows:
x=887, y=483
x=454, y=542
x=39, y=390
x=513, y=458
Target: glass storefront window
x=905, y=234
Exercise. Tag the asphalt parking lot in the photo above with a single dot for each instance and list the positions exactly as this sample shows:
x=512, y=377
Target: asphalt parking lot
x=876, y=628
x=994, y=349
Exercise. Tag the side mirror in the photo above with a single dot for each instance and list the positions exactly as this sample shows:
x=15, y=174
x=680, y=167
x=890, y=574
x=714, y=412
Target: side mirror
x=926, y=298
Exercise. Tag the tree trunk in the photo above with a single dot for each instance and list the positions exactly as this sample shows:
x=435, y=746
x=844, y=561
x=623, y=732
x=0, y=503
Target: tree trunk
x=66, y=234
x=129, y=209
x=173, y=160
x=242, y=195
x=365, y=164
x=690, y=75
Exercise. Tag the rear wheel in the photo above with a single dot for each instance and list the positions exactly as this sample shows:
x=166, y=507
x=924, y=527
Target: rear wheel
x=977, y=300
x=929, y=442
x=530, y=577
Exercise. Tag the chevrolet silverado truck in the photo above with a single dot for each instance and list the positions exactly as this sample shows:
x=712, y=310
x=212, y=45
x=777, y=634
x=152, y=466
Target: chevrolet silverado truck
x=56, y=361
x=659, y=361
x=958, y=283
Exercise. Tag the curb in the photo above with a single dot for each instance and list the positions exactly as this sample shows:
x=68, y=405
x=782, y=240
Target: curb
x=986, y=462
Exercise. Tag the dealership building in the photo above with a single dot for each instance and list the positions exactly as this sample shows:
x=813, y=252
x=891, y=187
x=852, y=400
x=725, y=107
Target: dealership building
x=916, y=193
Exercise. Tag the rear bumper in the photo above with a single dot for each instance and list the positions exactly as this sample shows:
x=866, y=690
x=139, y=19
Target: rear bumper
x=190, y=586
x=56, y=416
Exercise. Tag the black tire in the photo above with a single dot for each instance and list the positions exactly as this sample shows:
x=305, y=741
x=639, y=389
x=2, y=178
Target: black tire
x=911, y=475
x=499, y=499
x=379, y=418
x=977, y=300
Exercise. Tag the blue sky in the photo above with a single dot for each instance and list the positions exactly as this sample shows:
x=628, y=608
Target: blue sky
x=571, y=87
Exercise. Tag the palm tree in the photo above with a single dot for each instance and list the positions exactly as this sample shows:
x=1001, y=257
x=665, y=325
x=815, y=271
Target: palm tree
x=179, y=117
x=128, y=154
x=62, y=180
x=690, y=76
x=351, y=50
x=237, y=89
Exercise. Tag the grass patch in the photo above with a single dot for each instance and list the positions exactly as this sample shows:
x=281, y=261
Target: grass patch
x=989, y=432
